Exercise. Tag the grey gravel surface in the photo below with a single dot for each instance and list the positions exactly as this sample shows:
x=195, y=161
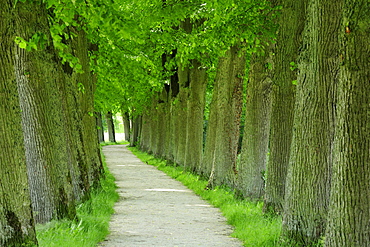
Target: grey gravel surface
x=156, y=210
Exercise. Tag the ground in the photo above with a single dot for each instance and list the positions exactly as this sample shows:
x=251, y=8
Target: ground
x=156, y=210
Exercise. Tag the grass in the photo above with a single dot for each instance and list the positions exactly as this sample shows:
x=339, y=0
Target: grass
x=250, y=224
x=114, y=143
x=93, y=220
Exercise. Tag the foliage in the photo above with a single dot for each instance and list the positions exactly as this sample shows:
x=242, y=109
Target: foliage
x=92, y=223
x=251, y=225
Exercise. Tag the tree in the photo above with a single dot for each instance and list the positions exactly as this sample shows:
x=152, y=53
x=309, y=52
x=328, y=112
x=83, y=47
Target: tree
x=349, y=213
x=17, y=227
x=38, y=80
x=219, y=162
x=284, y=76
x=309, y=173
x=253, y=157
x=110, y=125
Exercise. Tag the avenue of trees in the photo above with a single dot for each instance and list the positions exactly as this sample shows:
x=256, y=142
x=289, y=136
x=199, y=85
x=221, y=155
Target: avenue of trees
x=268, y=97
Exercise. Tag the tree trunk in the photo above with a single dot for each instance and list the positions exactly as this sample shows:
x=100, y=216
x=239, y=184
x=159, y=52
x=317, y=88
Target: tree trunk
x=126, y=125
x=256, y=129
x=87, y=81
x=38, y=81
x=99, y=125
x=110, y=126
x=136, y=130
x=289, y=39
x=145, y=132
x=219, y=161
x=16, y=219
x=349, y=214
x=195, y=117
x=180, y=115
x=308, y=179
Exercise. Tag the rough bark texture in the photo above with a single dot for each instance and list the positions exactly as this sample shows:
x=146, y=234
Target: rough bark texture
x=308, y=179
x=136, y=130
x=87, y=81
x=180, y=116
x=16, y=220
x=195, y=117
x=348, y=221
x=289, y=39
x=221, y=146
x=256, y=129
x=99, y=125
x=127, y=125
x=110, y=126
x=38, y=81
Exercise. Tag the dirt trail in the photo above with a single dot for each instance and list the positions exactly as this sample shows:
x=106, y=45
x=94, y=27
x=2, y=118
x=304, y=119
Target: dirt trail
x=156, y=210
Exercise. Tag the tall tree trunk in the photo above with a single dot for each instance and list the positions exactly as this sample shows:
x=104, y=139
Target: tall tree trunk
x=308, y=179
x=195, y=117
x=126, y=124
x=136, y=130
x=180, y=114
x=87, y=82
x=38, y=81
x=16, y=219
x=349, y=214
x=145, y=132
x=110, y=126
x=161, y=130
x=289, y=39
x=99, y=125
x=256, y=128
x=219, y=161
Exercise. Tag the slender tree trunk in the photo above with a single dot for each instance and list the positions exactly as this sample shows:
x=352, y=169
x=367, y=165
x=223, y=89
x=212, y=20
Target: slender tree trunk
x=16, y=219
x=127, y=125
x=110, y=126
x=308, y=179
x=136, y=130
x=289, y=39
x=99, y=125
x=256, y=129
x=349, y=214
x=219, y=161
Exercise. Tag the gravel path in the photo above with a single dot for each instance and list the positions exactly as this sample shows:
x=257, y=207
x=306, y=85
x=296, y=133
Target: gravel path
x=156, y=210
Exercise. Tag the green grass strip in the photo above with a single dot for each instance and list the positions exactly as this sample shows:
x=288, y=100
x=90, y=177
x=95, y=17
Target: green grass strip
x=93, y=219
x=250, y=224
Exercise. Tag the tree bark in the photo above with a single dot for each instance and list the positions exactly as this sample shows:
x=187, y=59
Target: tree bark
x=219, y=161
x=289, y=39
x=136, y=130
x=308, y=179
x=99, y=125
x=39, y=81
x=87, y=81
x=127, y=125
x=110, y=126
x=349, y=214
x=16, y=219
x=256, y=129
x=195, y=117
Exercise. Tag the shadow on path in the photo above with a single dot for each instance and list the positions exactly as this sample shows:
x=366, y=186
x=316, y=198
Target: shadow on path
x=156, y=210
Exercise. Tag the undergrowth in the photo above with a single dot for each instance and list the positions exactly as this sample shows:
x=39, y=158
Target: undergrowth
x=250, y=224
x=91, y=225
